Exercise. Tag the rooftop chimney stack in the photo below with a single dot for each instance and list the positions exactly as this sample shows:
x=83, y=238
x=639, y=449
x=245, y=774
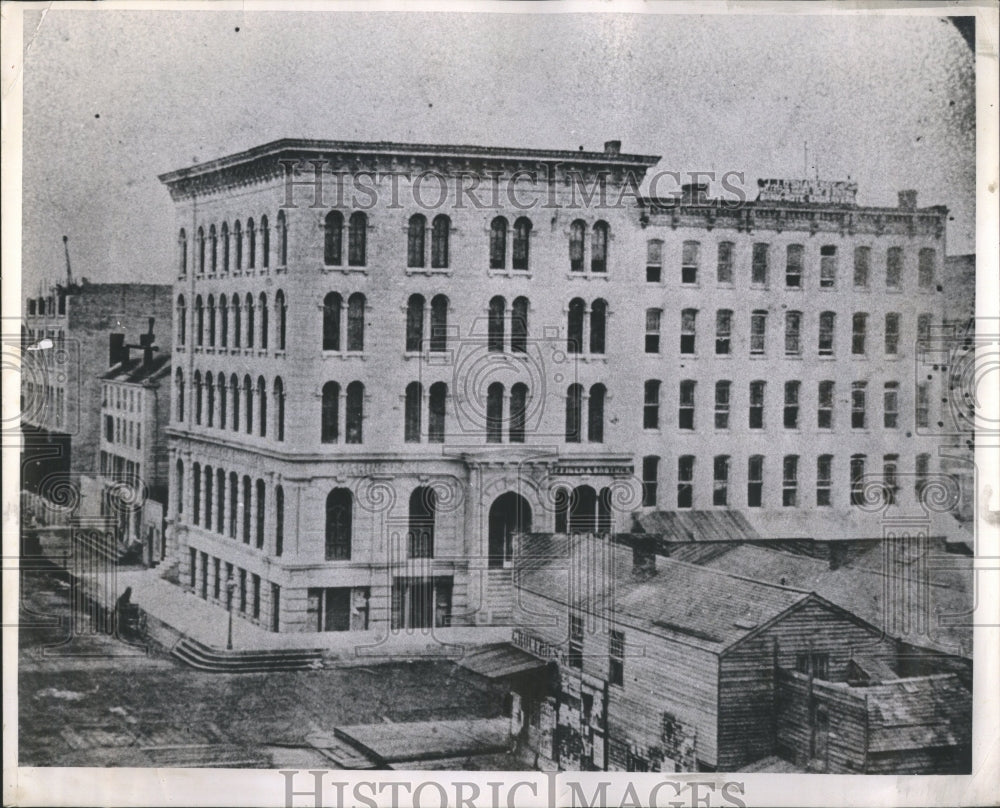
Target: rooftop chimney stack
x=612, y=147
x=908, y=200
x=117, y=352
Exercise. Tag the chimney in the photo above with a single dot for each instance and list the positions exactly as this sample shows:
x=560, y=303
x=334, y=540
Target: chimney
x=146, y=342
x=908, y=200
x=612, y=147
x=117, y=352
x=643, y=557
x=695, y=193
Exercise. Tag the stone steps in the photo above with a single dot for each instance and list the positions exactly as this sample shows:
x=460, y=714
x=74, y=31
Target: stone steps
x=203, y=657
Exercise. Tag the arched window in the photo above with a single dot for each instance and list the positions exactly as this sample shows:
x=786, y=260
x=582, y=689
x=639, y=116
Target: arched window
x=248, y=404
x=250, y=320
x=339, y=516
x=357, y=236
x=246, y=508
x=279, y=520
x=423, y=508
x=595, y=414
x=262, y=403
x=332, y=304
x=415, y=323
x=599, y=248
x=234, y=395
x=574, y=326
x=238, y=244
x=208, y=497
x=210, y=396
x=182, y=248
x=598, y=325
x=197, y=397
x=333, y=238
x=221, y=385
x=251, y=245
x=415, y=240
x=279, y=312
x=282, y=239
x=201, y=250
x=211, y=321
x=436, y=412
x=259, y=508
x=356, y=322
x=495, y=336
x=262, y=306
x=181, y=320
x=411, y=426
x=237, y=324
x=650, y=477
x=234, y=503
x=223, y=321
x=224, y=237
x=651, y=404
x=439, y=323
x=355, y=412
x=330, y=428
x=179, y=387
x=213, y=252
x=199, y=321
x=220, y=501
x=179, y=486
x=577, y=239
x=522, y=237
x=574, y=409
x=265, y=243
x=196, y=493
x=494, y=413
x=498, y=243
x=279, y=409
x=439, y=241
x=519, y=325
x=518, y=407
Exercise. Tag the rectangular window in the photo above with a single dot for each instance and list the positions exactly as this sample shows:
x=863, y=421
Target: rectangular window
x=862, y=266
x=793, y=266
x=755, y=481
x=651, y=405
x=575, y=655
x=688, y=318
x=758, y=332
x=725, y=265
x=891, y=333
x=685, y=414
x=890, y=477
x=923, y=467
x=923, y=330
x=685, y=481
x=616, y=658
x=893, y=267
x=723, y=331
x=720, y=480
x=923, y=409
x=757, y=405
x=824, y=410
x=814, y=663
x=890, y=409
x=824, y=480
x=650, y=480
x=653, y=330
x=859, y=394
x=925, y=268
x=790, y=481
x=255, y=596
x=859, y=331
x=792, y=405
x=722, y=389
x=827, y=321
x=758, y=272
x=654, y=260
x=689, y=262
x=857, y=479
x=793, y=331
x=827, y=266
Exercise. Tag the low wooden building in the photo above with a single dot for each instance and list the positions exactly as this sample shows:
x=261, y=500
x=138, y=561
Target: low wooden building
x=666, y=665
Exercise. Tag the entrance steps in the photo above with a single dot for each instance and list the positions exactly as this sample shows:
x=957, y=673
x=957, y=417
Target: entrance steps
x=206, y=658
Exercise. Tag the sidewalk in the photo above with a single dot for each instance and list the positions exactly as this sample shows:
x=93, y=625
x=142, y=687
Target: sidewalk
x=207, y=623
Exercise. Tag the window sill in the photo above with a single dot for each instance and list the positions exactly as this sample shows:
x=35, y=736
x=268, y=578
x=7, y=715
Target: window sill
x=282, y=270
x=723, y=355
x=279, y=354
x=694, y=285
x=795, y=356
x=758, y=356
x=826, y=357
x=261, y=352
x=344, y=270
x=342, y=355
x=210, y=350
x=446, y=271
x=510, y=273
x=587, y=276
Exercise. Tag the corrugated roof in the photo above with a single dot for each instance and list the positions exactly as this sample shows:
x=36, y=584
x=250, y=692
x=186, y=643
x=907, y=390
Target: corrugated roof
x=694, y=525
x=919, y=713
x=684, y=602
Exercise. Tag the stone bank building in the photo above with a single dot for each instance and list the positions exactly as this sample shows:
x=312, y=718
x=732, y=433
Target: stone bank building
x=377, y=381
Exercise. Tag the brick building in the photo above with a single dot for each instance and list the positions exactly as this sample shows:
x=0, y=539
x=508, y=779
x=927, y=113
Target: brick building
x=378, y=381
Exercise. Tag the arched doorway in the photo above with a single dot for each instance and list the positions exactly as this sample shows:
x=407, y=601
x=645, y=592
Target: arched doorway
x=583, y=510
x=510, y=513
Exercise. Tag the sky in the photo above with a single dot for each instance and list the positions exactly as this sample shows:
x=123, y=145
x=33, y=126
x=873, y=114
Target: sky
x=114, y=98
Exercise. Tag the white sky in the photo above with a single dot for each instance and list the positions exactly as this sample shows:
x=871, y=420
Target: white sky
x=887, y=100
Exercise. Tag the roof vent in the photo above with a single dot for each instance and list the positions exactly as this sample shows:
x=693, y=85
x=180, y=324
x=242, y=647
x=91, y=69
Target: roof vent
x=612, y=147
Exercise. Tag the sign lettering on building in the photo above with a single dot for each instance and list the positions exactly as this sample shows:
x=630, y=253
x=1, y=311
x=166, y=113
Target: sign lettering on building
x=830, y=192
